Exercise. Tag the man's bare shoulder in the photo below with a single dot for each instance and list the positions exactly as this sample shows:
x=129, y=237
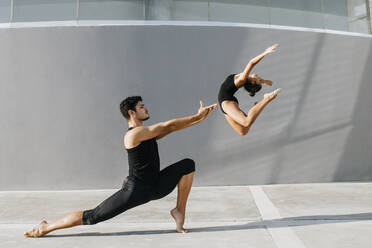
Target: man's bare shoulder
x=131, y=138
x=138, y=134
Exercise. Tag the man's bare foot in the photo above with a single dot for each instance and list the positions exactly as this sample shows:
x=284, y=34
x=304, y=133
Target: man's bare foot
x=273, y=94
x=179, y=218
x=37, y=231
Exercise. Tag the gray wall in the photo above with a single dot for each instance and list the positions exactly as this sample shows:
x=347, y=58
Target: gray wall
x=60, y=89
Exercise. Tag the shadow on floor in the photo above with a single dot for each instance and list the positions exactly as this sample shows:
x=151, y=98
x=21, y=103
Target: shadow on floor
x=276, y=223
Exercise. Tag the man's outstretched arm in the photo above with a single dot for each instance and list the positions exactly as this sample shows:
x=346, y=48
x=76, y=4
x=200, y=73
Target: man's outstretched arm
x=162, y=129
x=182, y=123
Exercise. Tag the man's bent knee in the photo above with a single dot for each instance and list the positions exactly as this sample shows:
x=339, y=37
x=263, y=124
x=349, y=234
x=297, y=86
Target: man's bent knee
x=189, y=165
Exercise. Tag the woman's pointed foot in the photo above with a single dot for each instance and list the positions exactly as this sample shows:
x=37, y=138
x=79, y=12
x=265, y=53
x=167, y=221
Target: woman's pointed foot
x=273, y=94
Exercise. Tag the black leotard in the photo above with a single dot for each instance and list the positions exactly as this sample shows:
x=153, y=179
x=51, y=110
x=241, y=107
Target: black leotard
x=144, y=183
x=227, y=91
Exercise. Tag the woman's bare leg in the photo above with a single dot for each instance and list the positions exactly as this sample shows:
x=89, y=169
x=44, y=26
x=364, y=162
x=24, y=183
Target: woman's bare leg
x=246, y=120
x=259, y=106
x=178, y=213
x=70, y=220
x=236, y=126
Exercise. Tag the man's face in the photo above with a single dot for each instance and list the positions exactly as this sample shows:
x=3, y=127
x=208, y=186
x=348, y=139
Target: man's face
x=142, y=113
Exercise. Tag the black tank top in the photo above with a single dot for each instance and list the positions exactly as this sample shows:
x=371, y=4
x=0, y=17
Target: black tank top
x=144, y=162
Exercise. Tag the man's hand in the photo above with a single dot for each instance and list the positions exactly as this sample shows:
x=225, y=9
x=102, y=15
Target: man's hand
x=205, y=111
x=271, y=49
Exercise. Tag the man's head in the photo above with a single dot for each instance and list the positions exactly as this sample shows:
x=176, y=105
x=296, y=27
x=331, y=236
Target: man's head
x=132, y=107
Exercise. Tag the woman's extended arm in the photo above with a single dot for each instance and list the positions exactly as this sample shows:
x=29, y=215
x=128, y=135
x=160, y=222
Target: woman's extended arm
x=244, y=75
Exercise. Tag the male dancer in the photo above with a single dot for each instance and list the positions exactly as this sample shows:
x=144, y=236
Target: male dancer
x=145, y=181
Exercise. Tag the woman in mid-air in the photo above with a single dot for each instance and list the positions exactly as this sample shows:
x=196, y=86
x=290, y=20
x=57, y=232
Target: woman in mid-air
x=236, y=117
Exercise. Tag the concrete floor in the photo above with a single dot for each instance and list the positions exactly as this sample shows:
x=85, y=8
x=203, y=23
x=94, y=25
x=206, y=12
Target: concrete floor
x=273, y=216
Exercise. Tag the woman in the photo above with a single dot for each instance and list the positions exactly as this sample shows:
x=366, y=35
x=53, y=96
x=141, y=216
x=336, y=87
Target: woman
x=240, y=121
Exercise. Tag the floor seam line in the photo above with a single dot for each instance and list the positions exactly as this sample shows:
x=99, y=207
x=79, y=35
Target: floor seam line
x=283, y=237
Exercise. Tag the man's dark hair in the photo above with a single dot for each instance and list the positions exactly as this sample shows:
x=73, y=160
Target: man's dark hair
x=129, y=103
x=251, y=87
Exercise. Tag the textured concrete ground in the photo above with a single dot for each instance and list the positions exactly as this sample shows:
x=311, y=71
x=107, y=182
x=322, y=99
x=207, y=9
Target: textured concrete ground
x=273, y=216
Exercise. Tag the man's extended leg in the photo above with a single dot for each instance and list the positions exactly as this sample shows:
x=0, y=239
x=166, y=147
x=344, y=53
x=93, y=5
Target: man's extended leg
x=70, y=220
x=181, y=174
x=124, y=199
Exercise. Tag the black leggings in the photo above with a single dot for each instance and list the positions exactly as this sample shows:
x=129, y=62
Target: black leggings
x=133, y=194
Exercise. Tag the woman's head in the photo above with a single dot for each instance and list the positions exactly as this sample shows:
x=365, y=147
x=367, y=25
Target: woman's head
x=252, y=86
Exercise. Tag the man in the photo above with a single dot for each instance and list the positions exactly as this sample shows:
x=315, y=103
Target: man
x=145, y=181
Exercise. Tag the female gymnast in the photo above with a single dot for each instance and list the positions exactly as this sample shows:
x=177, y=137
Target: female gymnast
x=236, y=117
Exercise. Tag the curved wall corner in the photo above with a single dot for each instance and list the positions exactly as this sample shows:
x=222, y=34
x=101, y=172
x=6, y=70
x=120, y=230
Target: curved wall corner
x=60, y=90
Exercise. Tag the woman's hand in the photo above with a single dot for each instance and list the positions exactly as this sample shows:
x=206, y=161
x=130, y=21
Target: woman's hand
x=271, y=49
